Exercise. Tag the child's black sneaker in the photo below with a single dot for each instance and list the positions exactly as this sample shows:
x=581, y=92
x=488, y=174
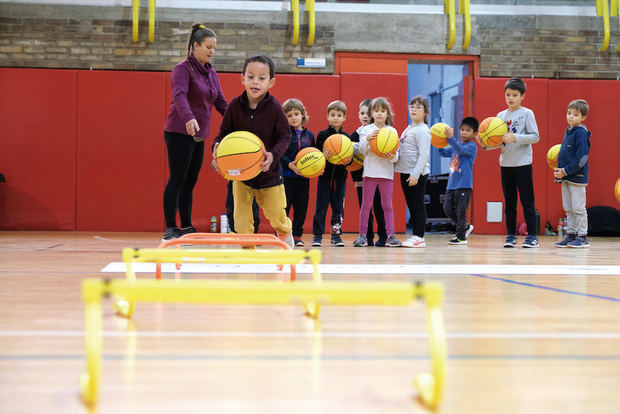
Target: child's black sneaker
x=316, y=241
x=456, y=240
x=171, y=233
x=337, y=241
x=187, y=230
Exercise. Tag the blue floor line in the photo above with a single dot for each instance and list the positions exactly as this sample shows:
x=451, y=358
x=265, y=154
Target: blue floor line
x=570, y=292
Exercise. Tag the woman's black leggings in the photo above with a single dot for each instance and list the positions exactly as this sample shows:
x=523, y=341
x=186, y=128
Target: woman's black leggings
x=185, y=160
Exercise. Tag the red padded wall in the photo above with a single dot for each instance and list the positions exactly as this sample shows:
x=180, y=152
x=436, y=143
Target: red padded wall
x=84, y=150
x=120, y=150
x=488, y=101
x=37, y=149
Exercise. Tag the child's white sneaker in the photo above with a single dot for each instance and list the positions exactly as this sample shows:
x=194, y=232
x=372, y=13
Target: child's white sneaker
x=414, y=241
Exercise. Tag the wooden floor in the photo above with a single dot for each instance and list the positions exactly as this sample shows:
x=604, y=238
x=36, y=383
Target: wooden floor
x=544, y=338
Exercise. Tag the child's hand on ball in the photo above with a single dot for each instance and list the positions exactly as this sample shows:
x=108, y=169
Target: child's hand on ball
x=264, y=166
x=294, y=168
x=372, y=135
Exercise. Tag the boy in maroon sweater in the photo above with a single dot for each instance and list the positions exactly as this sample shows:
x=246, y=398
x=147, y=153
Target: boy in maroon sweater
x=256, y=111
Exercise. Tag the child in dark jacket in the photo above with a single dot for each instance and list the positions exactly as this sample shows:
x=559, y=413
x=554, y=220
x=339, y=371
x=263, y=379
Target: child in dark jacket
x=572, y=172
x=331, y=185
x=256, y=111
x=296, y=186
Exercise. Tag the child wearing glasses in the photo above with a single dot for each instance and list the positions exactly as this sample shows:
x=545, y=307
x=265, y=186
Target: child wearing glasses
x=412, y=164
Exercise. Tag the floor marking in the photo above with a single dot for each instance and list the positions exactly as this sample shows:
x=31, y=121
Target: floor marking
x=294, y=334
x=357, y=269
x=305, y=357
x=48, y=248
x=570, y=292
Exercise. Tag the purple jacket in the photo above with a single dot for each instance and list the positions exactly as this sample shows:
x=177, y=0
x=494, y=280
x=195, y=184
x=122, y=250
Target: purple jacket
x=195, y=89
x=268, y=121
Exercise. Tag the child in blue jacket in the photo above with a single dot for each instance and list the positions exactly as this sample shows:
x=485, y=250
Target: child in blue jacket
x=572, y=172
x=460, y=182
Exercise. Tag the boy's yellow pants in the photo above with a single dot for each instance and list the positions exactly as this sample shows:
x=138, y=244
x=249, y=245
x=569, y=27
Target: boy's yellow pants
x=271, y=200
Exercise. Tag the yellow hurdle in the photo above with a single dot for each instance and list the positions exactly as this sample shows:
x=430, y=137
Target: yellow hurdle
x=430, y=386
x=126, y=306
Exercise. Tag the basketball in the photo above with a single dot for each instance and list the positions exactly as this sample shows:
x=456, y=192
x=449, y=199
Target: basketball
x=239, y=156
x=340, y=147
x=491, y=131
x=387, y=141
x=310, y=162
x=438, y=135
x=552, y=156
x=618, y=190
x=358, y=159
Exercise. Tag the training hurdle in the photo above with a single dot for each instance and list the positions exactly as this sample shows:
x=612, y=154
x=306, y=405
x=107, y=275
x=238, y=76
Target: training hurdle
x=430, y=385
x=126, y=307
x=244, y=240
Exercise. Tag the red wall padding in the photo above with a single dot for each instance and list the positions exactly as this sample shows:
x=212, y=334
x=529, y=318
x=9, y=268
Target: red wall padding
x=37, y=149
x=84, y=150
x=120, y=150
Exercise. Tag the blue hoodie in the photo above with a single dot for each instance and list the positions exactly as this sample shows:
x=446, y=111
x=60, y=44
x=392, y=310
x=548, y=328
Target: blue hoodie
x=573, y=156
x=461, y=163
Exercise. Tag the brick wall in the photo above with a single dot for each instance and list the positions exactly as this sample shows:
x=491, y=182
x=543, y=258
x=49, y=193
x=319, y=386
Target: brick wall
x=101, y=38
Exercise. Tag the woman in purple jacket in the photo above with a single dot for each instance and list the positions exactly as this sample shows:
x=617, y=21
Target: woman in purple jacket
x=195, y=90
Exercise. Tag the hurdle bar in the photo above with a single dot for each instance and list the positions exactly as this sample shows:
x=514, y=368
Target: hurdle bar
x=126, y=307
x=430, y=385
x=246, y=240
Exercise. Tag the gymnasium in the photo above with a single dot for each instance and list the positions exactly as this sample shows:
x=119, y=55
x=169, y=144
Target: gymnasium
x=98, y=315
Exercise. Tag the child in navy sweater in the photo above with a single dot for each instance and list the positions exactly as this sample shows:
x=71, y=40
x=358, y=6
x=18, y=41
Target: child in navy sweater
x=572, y=172
x=296, y=186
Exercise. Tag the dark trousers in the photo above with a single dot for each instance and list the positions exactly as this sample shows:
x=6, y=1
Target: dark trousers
x=414, y=196
x=230, y=210
x=378, y=212
x=184, y=160
x=329, y=192
x=297, y=196
x=455, y=206
x=519, y=179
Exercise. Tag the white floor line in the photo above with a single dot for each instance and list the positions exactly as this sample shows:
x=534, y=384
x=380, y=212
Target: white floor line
x=357, y=269
x=291, y=334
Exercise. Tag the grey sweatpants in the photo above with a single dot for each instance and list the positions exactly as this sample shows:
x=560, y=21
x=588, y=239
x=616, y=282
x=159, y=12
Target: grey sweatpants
x=574, y=202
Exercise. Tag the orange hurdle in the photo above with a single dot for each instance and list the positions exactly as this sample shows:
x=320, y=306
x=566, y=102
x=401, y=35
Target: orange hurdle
x=244, y=240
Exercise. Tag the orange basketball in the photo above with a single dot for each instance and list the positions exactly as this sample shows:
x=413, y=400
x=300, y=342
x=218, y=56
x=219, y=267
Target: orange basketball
x=491, y=131
x=358, y=159
x=438, y=135
x=552, y=156
x=239, y=156
x=310, y=162
x=386, y=141
x=340, y=147
x=618, y=190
